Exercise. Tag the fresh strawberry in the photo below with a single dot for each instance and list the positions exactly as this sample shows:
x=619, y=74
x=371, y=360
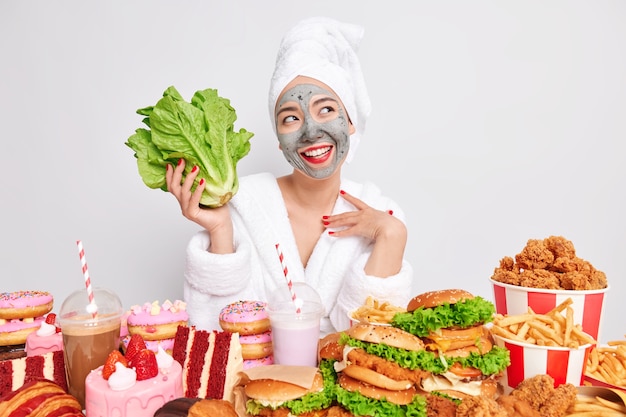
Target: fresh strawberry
x=51, y=318
x=135, y=345
x=109, y=365
x=145, y=364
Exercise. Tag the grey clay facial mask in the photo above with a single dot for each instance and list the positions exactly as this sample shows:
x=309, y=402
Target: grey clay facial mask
x=312, y=132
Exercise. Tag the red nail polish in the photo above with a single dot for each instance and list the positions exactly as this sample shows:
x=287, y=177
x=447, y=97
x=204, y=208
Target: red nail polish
x=326, y=223
x=325, y=217
x=331, y=233
x=390, y=212
x=195, y=168
x=201, y=181
x=167, y=167
x=342, y=192
x=180, y=161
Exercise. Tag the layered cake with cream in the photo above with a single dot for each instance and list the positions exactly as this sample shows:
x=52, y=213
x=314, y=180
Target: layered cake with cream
x=211, y=362
x=133, y=387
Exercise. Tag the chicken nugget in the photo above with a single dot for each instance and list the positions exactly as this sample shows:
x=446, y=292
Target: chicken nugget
x=480, y=405
x=575, y=281
x=565, y=264
x=535, y=255
x=540, y=278
x=506, y=277
x=563, y=397
x=560, y=247
x=597, y=280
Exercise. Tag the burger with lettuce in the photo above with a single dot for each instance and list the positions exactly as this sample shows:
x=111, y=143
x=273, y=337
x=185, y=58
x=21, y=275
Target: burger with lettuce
x=373, y=379
x=461, y=357
x=273, y=396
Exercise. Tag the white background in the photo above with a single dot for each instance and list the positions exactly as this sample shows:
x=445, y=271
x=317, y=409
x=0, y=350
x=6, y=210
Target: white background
x=494, y=122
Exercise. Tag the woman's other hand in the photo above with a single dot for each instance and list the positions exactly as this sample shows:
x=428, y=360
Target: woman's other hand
x=388, y=233
x=216, y=221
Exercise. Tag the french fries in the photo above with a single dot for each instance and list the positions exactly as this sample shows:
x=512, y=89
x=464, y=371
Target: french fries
x=608, y=363
x=376, y=312
x=550, y=329
x=595, y=407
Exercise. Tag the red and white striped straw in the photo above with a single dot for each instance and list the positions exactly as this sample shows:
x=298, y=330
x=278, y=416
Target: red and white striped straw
x=294, y=297
x=93, y=308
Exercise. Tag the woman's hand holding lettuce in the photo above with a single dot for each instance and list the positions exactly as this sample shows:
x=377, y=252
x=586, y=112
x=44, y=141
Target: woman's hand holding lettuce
x=200, y=132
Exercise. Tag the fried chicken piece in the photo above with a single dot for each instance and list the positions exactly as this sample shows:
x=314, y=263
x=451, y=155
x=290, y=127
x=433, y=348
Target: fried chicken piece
x=563, y=264
x=438, y=406
x=382, y=366
x=539, y=278
x=535, y=391
x=549, y=263
x=535, y=255
x=508, y=264
x=560, y=247
x=540, y=393
x=516, y=408
x=480, y=406
x=506, y=272
x=575, y=281
x=336, y=411
x=506, y=277
x=598, y=280
x=563, y=398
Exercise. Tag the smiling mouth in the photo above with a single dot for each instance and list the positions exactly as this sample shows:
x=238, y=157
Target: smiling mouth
x=317, y=152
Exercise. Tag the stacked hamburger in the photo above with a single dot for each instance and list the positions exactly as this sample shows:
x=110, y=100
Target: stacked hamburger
x=436, y=352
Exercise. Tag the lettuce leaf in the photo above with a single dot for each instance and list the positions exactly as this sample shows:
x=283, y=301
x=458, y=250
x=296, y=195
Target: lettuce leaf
x=312, y=401
x=360, y=405
x=463, y=314
x=491, y=363
x=202, y=133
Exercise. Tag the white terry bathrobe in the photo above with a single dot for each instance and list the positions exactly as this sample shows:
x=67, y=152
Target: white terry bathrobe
x=260, y=221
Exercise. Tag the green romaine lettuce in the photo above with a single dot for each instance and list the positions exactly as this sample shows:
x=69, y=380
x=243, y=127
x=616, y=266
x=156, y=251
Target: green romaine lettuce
x=493, y=362
x=463, y=314
x=202, y=133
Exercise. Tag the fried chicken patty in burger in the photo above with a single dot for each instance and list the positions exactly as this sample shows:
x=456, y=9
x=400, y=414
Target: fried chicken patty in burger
x=452, y=325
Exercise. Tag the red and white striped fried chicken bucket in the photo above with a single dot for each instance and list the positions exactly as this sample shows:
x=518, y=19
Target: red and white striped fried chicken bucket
x=588, y=305
x=564, y=365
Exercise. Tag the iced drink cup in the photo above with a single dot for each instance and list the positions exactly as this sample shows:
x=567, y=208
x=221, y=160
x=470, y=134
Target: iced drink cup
x=295, y=334
x=88, y=337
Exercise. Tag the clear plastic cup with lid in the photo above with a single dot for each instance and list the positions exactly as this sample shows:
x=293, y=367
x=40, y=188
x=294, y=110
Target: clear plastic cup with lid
x=91, y=330
x=295, y=321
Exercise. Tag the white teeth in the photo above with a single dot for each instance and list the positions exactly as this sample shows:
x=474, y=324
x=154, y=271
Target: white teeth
x=317, y=152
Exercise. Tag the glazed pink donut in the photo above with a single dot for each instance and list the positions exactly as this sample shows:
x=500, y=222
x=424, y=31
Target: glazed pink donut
x=245, y=317
x=256, y=346
x=251, y=363
x=15, y=332
x=166, y=344
x=157, y=322
x=25, y=304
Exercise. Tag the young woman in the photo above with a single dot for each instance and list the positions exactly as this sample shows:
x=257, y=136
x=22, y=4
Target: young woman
x=344, y=239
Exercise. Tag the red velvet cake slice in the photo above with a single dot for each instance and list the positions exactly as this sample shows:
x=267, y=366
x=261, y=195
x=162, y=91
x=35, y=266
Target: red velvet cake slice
x=16, y=372
x=211, y=362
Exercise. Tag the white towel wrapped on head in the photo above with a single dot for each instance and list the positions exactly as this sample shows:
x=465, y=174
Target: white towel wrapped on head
x=325, y=49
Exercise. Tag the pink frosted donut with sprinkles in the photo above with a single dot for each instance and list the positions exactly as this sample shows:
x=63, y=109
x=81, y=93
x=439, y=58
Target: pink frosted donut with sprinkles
x=154, y=321
x=245, y=318
x=251, y=363
x=256, y=346
x=25, y=304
